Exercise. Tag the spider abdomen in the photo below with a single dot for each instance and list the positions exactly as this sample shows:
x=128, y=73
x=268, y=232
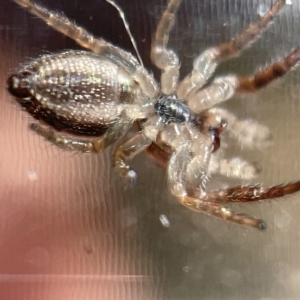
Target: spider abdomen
x=76, y=91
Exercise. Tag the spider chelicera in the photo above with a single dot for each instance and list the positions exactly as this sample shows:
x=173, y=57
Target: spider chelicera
x=90, y=99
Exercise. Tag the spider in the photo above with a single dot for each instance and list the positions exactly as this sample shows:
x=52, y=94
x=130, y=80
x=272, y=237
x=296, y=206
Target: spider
x=89, y=99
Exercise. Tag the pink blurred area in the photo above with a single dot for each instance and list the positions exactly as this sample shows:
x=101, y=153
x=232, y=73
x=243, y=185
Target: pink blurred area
x=64, y=228
x=57, y=237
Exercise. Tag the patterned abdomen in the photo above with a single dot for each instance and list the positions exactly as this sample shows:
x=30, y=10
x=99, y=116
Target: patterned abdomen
x=76, y=91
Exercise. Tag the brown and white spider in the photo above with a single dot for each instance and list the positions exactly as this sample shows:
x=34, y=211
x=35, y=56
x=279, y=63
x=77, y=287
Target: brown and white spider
x=99, y=94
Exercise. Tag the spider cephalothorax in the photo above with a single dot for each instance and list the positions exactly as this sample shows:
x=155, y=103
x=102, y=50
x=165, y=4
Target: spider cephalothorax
x=173, y=110
x=101, y=93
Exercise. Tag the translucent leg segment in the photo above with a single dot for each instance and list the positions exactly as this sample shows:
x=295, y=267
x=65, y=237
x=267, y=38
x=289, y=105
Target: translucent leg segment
x=65, y=26
x=205, y=64
x=62, y=141
x=204, y=67
x=126, y=151
x=133, y=146
x=188, y=167
x=158, y=155
x=221, y=89
x=166, y=59
x=249, y=133
x=235, y=168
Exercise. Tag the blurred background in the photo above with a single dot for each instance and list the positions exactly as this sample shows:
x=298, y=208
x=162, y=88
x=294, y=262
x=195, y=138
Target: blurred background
x=70, y=229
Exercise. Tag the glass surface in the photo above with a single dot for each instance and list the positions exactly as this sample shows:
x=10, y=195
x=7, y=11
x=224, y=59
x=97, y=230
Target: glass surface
x=70, y=229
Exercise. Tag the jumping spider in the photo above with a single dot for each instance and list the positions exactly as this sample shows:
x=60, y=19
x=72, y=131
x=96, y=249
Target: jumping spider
x=101, y=93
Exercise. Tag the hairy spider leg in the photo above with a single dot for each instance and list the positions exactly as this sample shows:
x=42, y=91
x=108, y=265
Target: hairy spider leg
x=188, y=167
x=126, y=151
x=135, y=145
x=62, y=141
x=269, y=74
x=252, y=193
x=223, y=88
x=205, y=64
x=243, y=40
x=187, y=174
x=221, y=212
x=235, y=167
x=212, y=202
x=249, y=133
x=162, y=57
x=122, y=58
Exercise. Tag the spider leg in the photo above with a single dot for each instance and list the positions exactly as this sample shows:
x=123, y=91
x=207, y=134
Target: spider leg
x=122, y=58
x=113, y=133
x=62, y=141
x=206, y=63
x=158, y=155
x=244, y=39
x=84, y=145
x=188, y=168
x=249, y=133
x=204, y=67
x=164, y=58
x=251, y=193
x=223, y=88
x=220, y=90
x=133, y=146
x=269, y=74
x=62, y=24
x=187, y=174
x=235, y=167
x=221, y=212
x=212, y=202
x=126, y=151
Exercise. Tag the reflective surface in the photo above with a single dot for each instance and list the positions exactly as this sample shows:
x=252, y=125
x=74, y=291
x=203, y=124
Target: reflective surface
x=70, y=229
